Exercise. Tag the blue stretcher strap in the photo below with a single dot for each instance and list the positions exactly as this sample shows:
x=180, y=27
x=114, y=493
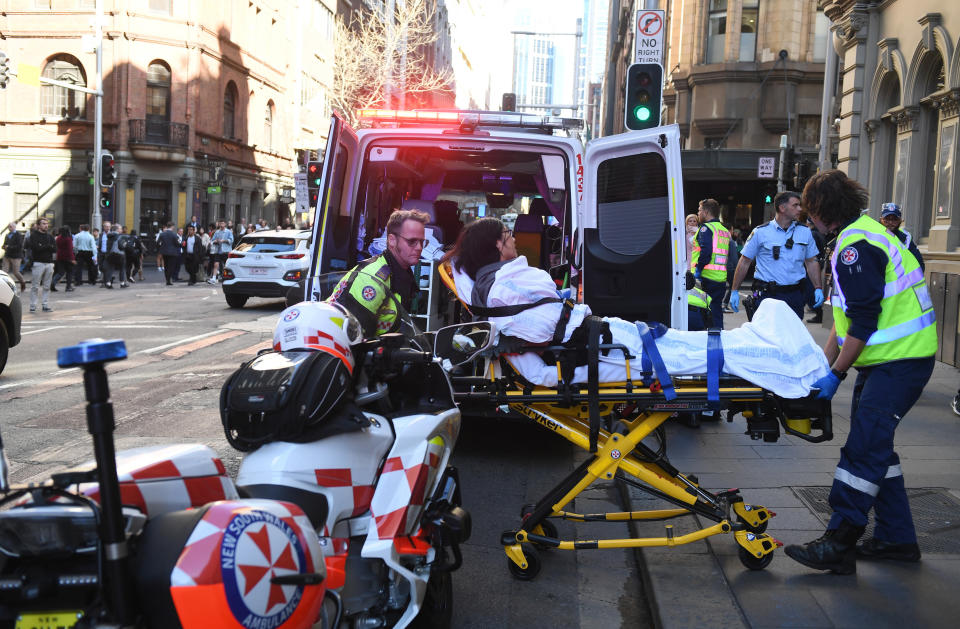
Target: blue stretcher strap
x=652, y=355
x=714, y=367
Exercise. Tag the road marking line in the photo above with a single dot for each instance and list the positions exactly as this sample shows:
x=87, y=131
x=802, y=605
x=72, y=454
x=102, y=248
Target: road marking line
x=253, y=349
x=55, y=327
x=160, y=348
x=183, y=350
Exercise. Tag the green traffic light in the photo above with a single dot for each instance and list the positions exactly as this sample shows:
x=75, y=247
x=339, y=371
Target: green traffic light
x=768, y=199
x=316, y=182
x=641, y=113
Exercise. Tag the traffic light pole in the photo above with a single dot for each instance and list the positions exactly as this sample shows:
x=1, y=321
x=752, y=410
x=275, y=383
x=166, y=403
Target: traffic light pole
x=97, y=218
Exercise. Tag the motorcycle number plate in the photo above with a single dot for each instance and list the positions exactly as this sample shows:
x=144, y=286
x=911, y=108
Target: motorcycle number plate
x=48, y=620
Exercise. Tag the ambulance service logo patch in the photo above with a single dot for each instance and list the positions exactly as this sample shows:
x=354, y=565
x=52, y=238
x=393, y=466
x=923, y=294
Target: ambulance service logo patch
x=257, y=547
x=849, y=255
x=290, y=316
x=368, y=293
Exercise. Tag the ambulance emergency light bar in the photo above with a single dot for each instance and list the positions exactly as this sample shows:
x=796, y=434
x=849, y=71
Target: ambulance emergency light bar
x=469, y=118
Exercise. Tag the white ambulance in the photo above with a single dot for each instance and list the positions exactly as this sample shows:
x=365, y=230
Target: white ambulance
x=605, y=218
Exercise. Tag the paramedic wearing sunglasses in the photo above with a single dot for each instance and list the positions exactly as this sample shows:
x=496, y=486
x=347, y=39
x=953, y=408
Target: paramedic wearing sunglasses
x=367, y=298
x=785, y=251
x=708, y=260
x=884, y=325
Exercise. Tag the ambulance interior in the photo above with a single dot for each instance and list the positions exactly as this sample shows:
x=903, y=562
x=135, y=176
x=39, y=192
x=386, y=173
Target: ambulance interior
x=528, y=187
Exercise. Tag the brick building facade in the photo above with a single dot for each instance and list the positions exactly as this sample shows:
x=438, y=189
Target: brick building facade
x=191, y=89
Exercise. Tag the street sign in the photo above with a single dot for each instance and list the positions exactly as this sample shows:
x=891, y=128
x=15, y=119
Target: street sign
x=766, y=166
x=649, y=37
x=300, y=184
x=213, y=189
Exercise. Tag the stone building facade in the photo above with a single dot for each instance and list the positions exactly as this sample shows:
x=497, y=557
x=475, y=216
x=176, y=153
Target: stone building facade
x=899, y=112
x=192, y=90
x=732, y=91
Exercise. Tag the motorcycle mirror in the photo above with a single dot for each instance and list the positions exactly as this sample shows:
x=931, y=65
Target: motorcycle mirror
x=461, y=343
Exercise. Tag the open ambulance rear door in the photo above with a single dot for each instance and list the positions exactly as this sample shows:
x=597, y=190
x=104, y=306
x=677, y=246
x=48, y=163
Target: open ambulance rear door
x=632, y=251
x=331, y=223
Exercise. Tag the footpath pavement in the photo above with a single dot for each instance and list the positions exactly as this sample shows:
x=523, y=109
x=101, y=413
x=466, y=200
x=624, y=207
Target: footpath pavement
x=704, y=584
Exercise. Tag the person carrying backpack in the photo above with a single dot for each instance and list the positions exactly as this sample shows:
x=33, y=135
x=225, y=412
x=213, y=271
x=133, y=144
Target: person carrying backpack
x=116, y=258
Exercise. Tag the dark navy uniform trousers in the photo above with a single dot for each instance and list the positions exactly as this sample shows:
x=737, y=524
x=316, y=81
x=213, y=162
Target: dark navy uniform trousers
x=869, y=475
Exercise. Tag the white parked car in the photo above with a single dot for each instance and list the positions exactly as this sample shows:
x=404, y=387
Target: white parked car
x=11, y=313
x=266, y=264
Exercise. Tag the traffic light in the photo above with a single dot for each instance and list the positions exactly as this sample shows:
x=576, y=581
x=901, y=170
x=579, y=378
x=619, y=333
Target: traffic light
x=108, y=171
x=508, y=102
x=105, y=198
x=4, y=69
x=801, y=172
x=314, y=175
x=642, y=99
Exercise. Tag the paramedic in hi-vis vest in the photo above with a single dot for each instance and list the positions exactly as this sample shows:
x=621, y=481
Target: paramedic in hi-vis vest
x=885, y=327
x=709, y=258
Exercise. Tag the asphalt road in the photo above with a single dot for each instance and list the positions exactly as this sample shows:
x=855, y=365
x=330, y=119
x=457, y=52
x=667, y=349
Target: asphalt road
x=183, y=342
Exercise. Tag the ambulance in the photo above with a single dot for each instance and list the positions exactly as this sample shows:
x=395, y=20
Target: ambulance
x=605, y=218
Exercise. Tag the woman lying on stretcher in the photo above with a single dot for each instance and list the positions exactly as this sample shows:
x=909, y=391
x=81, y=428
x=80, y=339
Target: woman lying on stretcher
x=774, y=351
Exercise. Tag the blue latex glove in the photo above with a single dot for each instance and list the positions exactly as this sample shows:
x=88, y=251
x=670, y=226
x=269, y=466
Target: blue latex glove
x=817, y=297
x=827, y=385
x=566, y=293
x=735, y=301
x=696, y=273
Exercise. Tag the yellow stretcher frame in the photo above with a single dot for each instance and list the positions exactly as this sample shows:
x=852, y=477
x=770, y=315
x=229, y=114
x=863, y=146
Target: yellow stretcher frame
x=622, y=452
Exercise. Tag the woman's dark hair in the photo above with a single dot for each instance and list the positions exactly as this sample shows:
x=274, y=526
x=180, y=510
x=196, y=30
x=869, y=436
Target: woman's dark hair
x=832, y=197
x=65, y=231
x=477, y=246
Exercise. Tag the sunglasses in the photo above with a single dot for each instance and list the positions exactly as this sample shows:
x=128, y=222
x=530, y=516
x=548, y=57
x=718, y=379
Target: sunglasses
x=413, y=242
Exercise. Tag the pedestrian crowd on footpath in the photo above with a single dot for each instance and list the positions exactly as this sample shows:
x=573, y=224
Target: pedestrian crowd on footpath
x=98, y=257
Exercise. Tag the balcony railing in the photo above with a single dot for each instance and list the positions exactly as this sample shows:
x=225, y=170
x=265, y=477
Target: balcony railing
x=159, y=132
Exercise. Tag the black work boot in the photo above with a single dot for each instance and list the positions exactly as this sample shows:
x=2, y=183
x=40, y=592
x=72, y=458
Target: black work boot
x=835, y=551
x=874, y=548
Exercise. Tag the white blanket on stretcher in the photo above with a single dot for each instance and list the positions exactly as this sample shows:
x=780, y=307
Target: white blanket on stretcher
x=774, y=351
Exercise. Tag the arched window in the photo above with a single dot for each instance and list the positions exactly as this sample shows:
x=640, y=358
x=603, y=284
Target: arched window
x=158, y=101
x=59, y=102
x=268, y=127
x=230, y=97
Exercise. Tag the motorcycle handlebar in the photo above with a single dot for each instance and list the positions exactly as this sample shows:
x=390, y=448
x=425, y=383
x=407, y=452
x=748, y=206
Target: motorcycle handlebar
x=413, y=356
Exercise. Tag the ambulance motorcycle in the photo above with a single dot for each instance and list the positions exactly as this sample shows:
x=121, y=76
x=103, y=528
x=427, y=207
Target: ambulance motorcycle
x=370, y=467
x=345, y=512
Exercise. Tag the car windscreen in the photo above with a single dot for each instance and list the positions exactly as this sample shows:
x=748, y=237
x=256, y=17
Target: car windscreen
x=266, y=244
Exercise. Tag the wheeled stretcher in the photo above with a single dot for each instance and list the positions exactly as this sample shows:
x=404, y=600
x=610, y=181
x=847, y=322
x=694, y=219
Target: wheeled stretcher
x=612, y=420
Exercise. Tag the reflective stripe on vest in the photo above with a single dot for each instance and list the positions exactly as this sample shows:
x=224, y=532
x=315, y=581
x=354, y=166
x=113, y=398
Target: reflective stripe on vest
x=716, y=268
x=698, y=298
x=906, y=327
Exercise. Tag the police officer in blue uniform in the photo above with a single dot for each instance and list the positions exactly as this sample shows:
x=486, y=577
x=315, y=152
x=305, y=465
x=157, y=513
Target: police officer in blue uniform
x=785, y=251
x=892, y=217
x=884, y=325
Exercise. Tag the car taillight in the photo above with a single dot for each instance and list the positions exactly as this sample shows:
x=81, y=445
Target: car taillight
x=290, y=256
x=293, y=276
x=234, y=254
x=228, y=274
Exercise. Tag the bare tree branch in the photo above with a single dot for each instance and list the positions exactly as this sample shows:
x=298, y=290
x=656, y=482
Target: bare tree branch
x=375, y=59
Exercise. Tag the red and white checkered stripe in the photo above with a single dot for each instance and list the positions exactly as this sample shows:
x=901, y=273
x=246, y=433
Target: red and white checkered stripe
x=402, y=490
x=159, y=479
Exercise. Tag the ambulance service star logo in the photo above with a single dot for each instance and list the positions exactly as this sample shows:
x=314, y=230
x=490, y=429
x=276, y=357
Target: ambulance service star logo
x=257, y=547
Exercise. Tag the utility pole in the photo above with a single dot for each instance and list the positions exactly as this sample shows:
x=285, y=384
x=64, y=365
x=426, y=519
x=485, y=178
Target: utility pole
x=97, y=219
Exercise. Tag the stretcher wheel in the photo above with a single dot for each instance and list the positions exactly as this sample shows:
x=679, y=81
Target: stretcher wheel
x=748, y=560
x=760, y=528
x=549, y=530
x=533, y=564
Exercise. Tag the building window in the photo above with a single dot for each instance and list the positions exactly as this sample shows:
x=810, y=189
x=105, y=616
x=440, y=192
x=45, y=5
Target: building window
x=714, y=142
x=268, y=127
x=158, y=102
x=821, y=37
x=748, y=29
x=60, y=102
x=945, y=170
x=716, y=31
x=230, y=110
x=900, y=170
x=161, y=6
